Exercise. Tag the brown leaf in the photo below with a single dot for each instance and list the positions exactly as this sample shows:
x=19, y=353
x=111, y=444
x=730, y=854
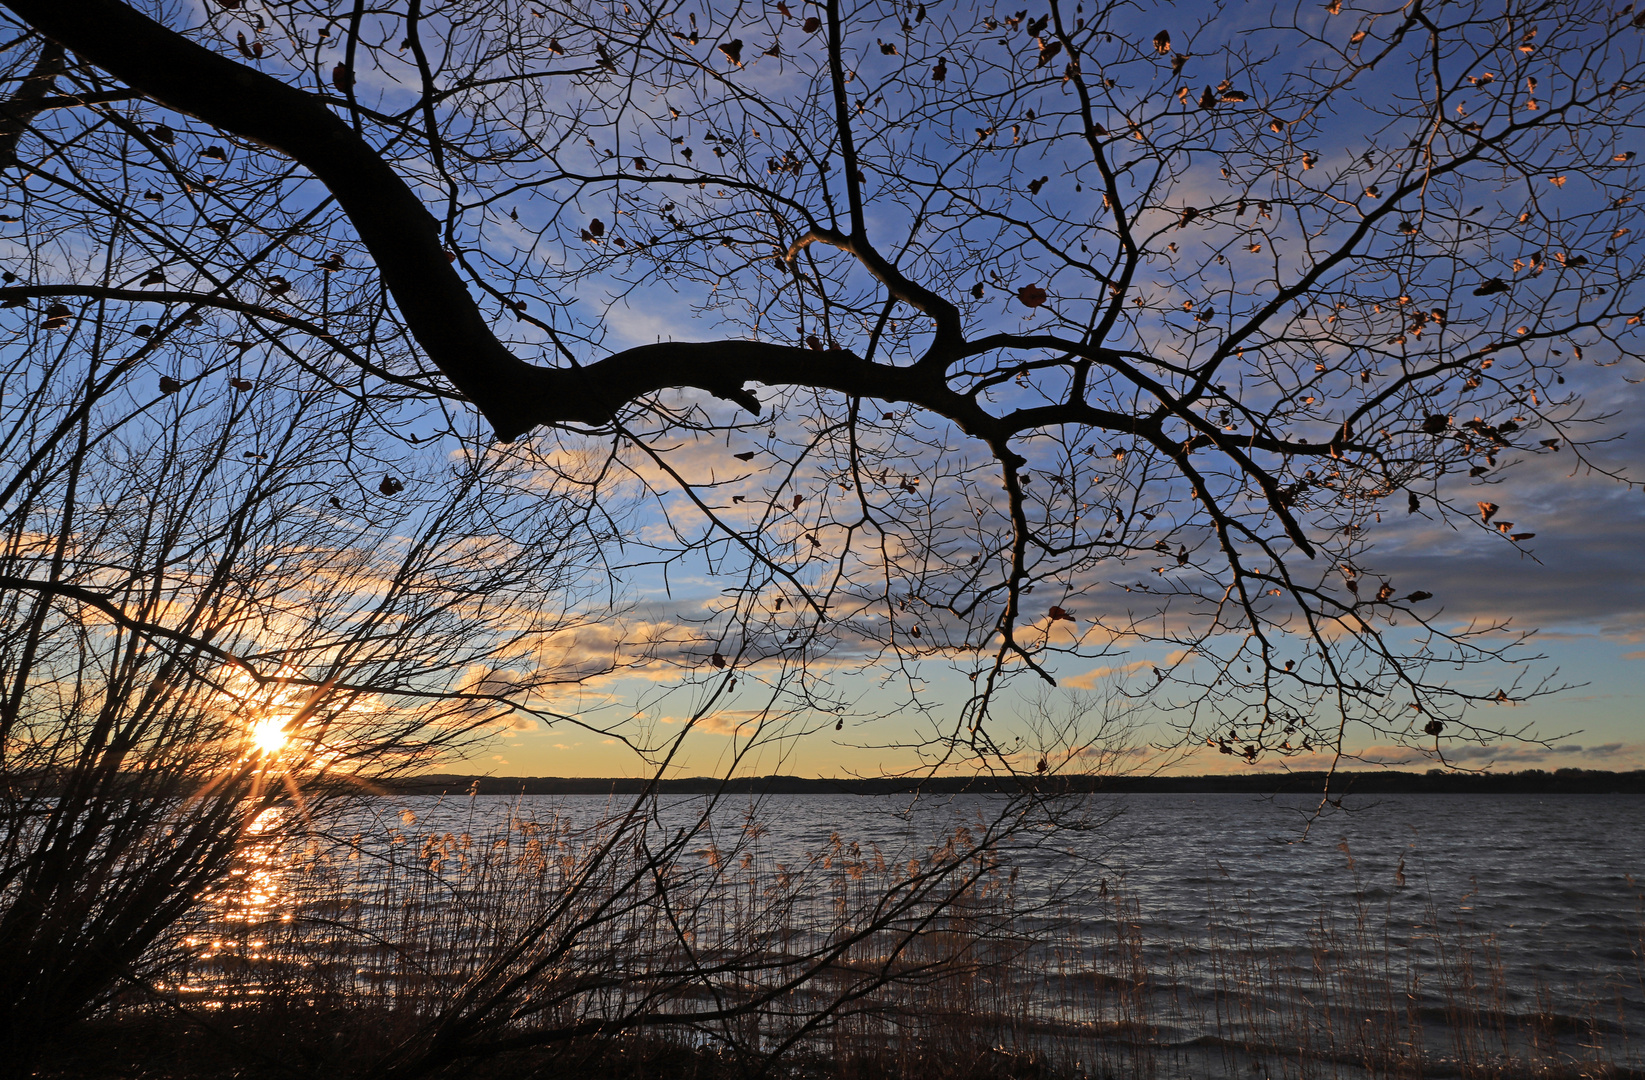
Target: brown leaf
x=1031, y=296
x=390, y=486
x=1058, y=613
x=240, y=384
x=169, y=385
x=1162, y=43
x=342, y=78
x=812, y=25
x=747, y=455
x=1487, y=510
x=717, y=660
x=733, y=50
x=1418, y=597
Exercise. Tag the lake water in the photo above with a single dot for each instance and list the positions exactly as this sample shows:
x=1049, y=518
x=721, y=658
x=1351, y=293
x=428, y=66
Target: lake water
x=1183, y=935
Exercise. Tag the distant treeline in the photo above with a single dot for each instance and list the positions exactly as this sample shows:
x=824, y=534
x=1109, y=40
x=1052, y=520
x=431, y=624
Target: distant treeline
x=1380, y=782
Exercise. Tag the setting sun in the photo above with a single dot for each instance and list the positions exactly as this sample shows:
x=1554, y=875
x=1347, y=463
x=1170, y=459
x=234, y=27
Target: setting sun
x=268, y=735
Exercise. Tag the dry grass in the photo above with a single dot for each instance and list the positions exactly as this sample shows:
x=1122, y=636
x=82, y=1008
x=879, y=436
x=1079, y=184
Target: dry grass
x=724, y=959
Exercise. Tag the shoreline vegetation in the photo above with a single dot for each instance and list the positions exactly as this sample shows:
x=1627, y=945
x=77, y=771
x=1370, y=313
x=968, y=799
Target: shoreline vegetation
x=1363, y=782
x=337, y=956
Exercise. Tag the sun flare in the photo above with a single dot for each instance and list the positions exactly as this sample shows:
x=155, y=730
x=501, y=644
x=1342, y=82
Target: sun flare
x=268, y=735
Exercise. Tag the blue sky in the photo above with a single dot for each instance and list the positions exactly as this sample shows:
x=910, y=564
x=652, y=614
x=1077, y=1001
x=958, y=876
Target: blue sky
x=1578, y=584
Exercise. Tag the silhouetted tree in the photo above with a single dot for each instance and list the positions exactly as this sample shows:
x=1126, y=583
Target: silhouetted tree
x=1039, y=300
x=1041, y=334
x=209, y=612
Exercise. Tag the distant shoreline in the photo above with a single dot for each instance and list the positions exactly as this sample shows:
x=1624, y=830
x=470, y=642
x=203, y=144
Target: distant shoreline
x=1361, y=782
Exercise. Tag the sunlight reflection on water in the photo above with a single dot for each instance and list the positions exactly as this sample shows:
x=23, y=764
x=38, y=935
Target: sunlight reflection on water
x=1544, y=885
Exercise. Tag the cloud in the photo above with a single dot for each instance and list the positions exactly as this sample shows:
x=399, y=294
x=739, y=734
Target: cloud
x=1560, y=755
x=728, y=722
x=1585, y=576
x=1090, y=679
x=1501, y=757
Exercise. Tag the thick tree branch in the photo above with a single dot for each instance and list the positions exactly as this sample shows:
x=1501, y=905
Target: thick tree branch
x=950, y=337
x=391, y=221
x=28, y=101
x=403, y=239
